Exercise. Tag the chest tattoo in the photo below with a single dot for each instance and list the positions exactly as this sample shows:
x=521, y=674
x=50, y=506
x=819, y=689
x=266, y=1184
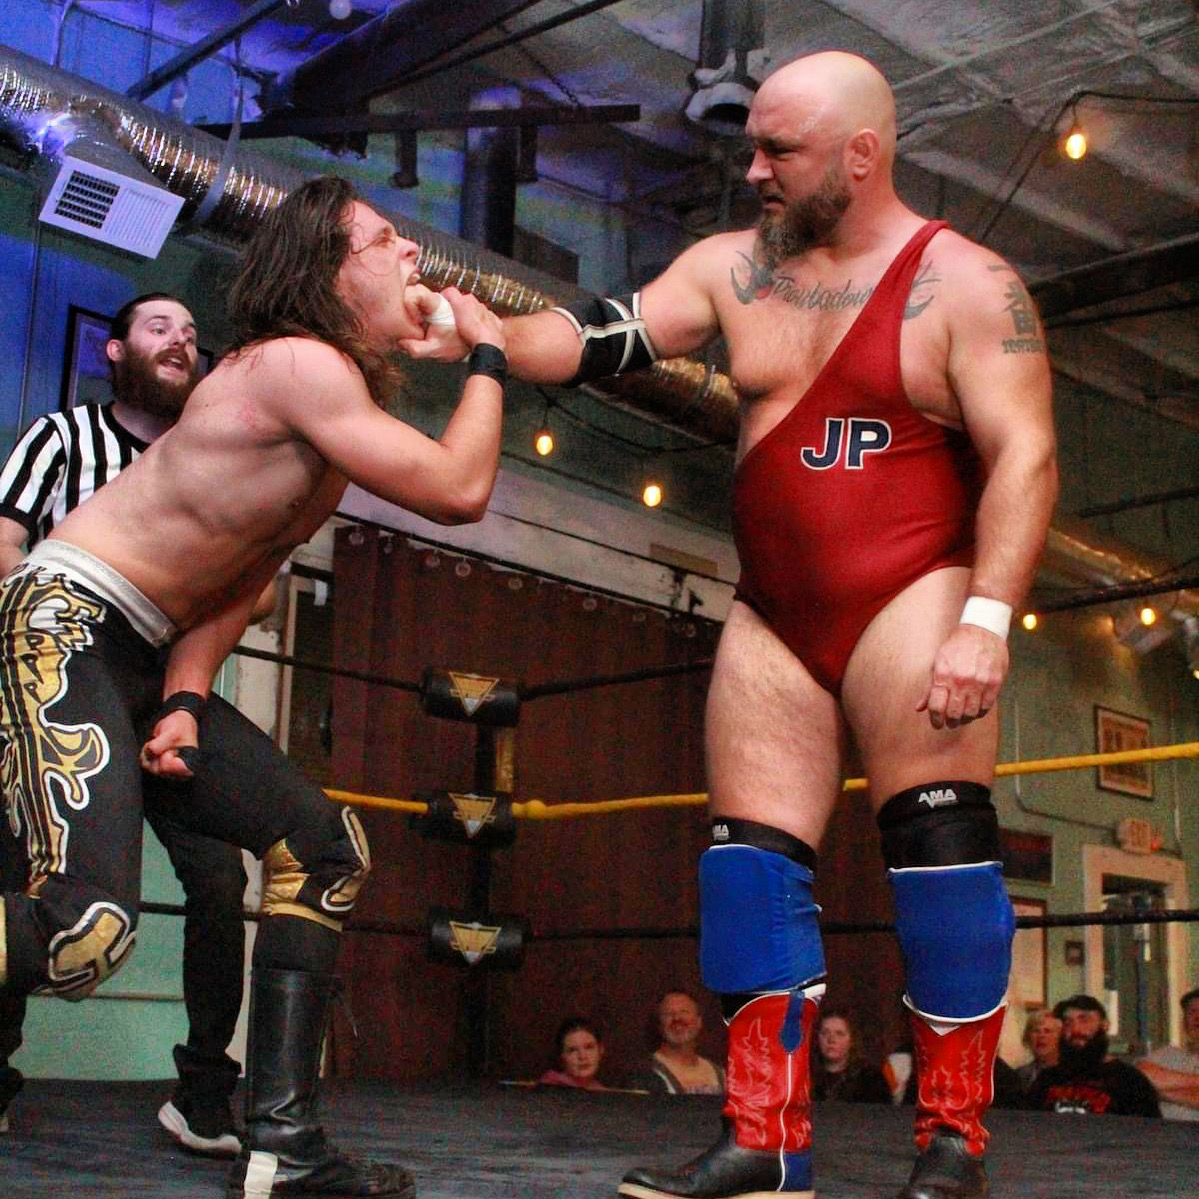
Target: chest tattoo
x=921, y=294
x=754, y=280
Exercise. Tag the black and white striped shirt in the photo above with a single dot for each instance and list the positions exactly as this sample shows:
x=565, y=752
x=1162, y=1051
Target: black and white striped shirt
x=62, y=458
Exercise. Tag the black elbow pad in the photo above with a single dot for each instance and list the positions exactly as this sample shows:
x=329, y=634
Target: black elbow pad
x=613, y=335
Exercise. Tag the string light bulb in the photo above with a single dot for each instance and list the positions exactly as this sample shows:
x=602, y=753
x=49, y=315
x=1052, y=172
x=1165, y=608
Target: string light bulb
x=340, y=9
x=651, y=493
x=543, y=439
x=1029, y=621
x=1075, y=145
x=1148, y=615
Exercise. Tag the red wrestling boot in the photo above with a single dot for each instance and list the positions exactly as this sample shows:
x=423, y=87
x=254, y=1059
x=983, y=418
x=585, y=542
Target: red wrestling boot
x=955, y=1076
x=765, y=1149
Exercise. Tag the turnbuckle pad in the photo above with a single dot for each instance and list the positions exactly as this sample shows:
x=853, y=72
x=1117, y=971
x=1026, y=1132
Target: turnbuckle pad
x=484, y=820
x=474, y=698
x=461, y=939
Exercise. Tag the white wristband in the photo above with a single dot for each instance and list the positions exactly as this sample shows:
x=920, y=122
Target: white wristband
x=991, y=614
x=443, y=314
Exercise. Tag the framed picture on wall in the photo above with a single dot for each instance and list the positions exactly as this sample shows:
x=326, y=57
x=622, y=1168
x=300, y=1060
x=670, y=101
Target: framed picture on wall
x=1116, y=732
x=85, y=373
x=1026, y=985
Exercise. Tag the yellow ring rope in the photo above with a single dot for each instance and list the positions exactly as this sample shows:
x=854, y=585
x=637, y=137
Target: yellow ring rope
x=538, y=809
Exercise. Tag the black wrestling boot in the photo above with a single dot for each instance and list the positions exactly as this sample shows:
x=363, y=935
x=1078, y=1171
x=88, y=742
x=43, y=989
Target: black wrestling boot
x=285, y=1151
x=947, y=1170
x=199, y=1114
x=726, y=1171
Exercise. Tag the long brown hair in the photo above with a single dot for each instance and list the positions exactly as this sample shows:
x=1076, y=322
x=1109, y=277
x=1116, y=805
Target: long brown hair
x=287, y=283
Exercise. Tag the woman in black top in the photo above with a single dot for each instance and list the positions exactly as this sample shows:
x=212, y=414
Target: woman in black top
x=838, y=1069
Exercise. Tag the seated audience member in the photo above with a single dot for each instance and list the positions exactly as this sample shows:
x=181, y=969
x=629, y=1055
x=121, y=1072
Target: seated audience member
x=838, y=1069
x=1042, y=1038
x=580, y=1051
x=1174, y=1072
x=676, y=1067
x=1087, y=1080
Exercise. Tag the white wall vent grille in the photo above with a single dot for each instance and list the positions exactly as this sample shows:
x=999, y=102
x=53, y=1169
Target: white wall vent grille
x=110, y=207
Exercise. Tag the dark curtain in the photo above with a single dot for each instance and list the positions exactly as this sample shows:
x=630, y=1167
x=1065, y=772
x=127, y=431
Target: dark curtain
x=399, y=609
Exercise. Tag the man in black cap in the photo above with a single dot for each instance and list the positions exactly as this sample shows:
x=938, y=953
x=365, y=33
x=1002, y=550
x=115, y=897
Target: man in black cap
x=1087, y=1080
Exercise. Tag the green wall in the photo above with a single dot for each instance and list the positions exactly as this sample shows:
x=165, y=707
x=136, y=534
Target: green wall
x=1070, y=663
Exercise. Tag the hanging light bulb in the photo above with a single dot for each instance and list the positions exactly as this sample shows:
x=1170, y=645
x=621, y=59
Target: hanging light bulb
x=651, y=493
x=543, y=439
x=1148, y=615
x=1075, y=144
x=340, y=9
x=1029, y=621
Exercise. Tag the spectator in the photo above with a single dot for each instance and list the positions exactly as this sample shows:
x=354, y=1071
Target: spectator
x=676, y=1067
x=1087, y=1080
x=580, y=1051
x=1042, y=1038
x=1174, y=1072
x=838, y=1069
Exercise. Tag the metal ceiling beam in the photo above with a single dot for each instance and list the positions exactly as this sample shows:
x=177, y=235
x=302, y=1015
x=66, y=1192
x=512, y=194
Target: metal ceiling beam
x=1099, y=378
x=379, y=56
x=1118, y=277
x=283, y=125
x=186, y=59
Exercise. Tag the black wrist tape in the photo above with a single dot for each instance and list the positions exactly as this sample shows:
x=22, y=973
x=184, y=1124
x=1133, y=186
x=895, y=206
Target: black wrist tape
x=186, y=701
x=489, y=360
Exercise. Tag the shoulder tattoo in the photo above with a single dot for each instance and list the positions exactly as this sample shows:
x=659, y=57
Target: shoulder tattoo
x=922, y=292
x=1027, y=335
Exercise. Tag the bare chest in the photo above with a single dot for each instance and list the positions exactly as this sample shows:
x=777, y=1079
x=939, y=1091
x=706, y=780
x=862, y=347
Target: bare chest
x=782, y=334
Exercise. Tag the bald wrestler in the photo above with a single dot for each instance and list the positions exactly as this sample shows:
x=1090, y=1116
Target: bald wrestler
x=893, y=490
x=115, y=624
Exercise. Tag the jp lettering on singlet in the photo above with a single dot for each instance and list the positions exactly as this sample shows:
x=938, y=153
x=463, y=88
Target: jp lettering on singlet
x=864, y=437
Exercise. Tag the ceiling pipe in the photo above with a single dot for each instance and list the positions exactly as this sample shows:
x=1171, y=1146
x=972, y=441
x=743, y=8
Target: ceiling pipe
x=487, y=202
x=680, y=393
x=732, y=62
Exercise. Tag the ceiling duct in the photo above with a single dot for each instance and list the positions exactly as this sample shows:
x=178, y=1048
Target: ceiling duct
x=226, y=192
x=732, y=62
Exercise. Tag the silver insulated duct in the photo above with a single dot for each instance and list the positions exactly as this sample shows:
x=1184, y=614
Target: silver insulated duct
x=226, y=190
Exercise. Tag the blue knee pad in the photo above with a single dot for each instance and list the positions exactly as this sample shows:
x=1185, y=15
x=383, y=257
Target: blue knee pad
x=758, y=929
x=955, y=926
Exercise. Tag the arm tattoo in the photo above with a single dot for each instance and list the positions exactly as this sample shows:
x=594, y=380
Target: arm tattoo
x=1025, y=323
x=926, y=276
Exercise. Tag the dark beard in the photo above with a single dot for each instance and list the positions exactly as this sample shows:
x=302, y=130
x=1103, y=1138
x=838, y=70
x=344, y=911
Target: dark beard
x=804, y=223
x=134, y=383
x=1078, y=1060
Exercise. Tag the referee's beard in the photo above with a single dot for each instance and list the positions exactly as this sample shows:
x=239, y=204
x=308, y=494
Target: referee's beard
x=137, y=381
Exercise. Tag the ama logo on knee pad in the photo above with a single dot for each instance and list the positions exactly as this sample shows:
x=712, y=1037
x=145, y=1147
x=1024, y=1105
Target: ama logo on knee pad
x=863, y=437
